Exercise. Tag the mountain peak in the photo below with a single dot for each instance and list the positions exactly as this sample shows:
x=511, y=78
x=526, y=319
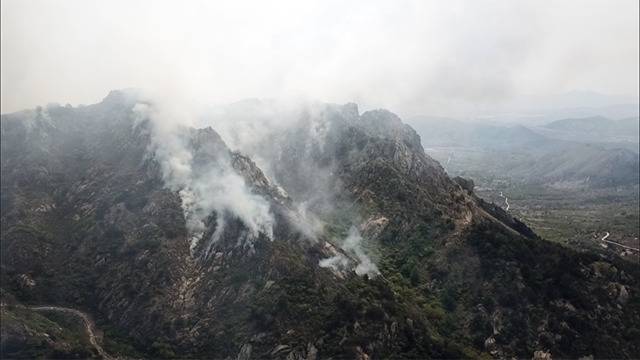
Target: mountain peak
x=123, y=96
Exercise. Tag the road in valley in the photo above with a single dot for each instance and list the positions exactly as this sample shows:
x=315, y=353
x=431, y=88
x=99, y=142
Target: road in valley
x=604, y=239
x=506, y=201
x=86, y=319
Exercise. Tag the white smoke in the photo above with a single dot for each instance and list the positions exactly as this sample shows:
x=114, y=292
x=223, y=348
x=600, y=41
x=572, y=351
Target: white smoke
x=220, y=226
x=254, y=128
x=352, y=245
x=222, y=189
x=336, y=262
x=307, y=222
x=268, y=129
x=217, y=188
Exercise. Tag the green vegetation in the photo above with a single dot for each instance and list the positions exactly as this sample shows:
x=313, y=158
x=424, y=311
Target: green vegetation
x=578, y=218
x=28, y=334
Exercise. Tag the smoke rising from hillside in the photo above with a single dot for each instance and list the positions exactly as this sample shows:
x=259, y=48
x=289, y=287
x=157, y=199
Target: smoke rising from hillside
x=290, y=141
x=352, y=245
x=203, y=190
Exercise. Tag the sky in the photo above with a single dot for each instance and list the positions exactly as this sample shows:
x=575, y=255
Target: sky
x=449, y=58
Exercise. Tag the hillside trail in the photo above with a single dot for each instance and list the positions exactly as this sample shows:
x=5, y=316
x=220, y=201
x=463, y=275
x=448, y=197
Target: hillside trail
x=86, y=319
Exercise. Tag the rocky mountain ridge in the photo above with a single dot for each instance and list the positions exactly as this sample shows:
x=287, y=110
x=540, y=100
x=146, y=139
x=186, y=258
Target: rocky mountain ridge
x=90, y=218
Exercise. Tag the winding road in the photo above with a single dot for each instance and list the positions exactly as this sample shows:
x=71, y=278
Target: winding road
x=506, y=201
x=604, y=239
x=86, y=319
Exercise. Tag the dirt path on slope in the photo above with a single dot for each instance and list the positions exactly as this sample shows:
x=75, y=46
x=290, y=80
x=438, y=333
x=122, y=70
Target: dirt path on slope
x=86, y=319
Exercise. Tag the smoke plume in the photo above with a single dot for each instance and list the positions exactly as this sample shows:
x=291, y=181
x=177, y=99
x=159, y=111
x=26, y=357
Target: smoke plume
x=204, y=187
x=352, y=245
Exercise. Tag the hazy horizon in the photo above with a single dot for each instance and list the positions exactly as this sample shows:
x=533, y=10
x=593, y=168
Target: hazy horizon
x=456, y=59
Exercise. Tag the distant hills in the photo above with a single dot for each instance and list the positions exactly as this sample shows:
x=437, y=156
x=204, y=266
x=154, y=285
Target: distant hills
x=593, y=151
x=594, y=129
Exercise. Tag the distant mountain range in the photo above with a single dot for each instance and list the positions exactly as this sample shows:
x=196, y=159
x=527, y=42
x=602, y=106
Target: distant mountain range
x=593, y=151
x=532, y=110
x=597, y=129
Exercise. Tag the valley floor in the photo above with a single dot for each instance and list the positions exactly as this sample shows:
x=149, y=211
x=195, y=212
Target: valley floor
x=568, y=213
x=579, y=218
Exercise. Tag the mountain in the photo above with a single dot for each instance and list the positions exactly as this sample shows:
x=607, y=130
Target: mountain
x=342, y=239
x=440, y=132
x=594, y=152
x=539, y=110
x=593, y=165
x=576, y=99
x=596, y=129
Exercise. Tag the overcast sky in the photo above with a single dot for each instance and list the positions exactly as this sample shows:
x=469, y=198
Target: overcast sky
x=429, y=57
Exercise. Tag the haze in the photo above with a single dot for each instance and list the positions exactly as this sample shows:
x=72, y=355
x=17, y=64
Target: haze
x=454, y=58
